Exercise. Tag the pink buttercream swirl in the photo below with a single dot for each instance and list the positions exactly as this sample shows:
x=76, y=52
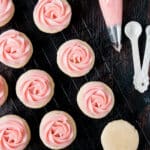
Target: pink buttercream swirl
x=6, y=10
x=57, y=132
x=98, y=100
x=15, y=48
x=14, y=135
x=76, y=58
x=52, y=15
x=35, y=88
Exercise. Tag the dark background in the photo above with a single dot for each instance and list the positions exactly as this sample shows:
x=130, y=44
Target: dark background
x=115, y=69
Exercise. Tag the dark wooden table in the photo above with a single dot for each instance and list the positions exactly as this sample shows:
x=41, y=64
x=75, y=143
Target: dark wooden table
x=111, y=67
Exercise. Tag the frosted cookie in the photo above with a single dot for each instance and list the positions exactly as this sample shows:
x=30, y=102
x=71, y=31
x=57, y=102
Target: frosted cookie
x=35, y=88
x=52, y=16
x=3, y=90
x=119, y=135
x=57, y=130
x=15, y=49
x=95, y=99
x=15, y=133
x=75, y=58
x=7, y=10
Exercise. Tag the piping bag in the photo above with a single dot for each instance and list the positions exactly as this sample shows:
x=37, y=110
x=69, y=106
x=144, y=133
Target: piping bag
x=112, y=11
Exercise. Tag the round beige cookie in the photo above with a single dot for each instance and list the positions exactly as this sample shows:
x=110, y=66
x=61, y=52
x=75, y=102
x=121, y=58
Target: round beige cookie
x=120, y=135
x=3, y=90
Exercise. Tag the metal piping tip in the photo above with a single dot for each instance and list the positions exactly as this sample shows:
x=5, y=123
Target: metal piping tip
x=115, y=37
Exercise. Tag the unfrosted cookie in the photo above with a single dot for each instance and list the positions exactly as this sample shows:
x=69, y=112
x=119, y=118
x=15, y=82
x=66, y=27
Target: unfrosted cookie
x=75, y=58
x=35, y=88
x=14, y=133
x=15, y=48
x=120, y=135
x=7, y=10
x=95, y=99
x=52, y=16
x=3, y=90
x=57, y=130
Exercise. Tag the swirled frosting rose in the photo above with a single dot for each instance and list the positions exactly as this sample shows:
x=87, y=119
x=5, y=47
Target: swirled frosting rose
x=57, y=130
x=6, y=11
x=15, y=49
x=14, y=133
x=35, y=88
x=3, y=90
x=95, y=99
x=52, y=16
x=75, y=58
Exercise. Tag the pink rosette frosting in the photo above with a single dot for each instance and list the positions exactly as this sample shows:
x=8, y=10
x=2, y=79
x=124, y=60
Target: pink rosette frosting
x=52, y=16
x=3, y=90
x=15, y=49
x=75, y=58
x=14, y=133
x=6, y=11
x=57, y=130
x=95, y=99
x=35, y=88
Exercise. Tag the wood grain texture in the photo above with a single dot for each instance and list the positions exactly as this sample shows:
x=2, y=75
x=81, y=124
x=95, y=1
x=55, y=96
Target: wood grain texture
x=112, y=68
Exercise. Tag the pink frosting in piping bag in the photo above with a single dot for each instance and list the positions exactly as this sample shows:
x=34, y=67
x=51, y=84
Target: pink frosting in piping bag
x=112, y=11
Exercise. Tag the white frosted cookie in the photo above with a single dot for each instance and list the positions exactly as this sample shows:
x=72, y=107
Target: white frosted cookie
x=120, y=135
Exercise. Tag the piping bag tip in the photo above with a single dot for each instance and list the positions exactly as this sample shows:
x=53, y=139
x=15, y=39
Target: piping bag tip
x=117, y=47
x=115, y=37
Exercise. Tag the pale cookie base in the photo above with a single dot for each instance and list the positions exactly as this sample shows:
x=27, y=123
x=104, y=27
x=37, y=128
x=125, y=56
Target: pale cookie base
x=119, y=135
x=2, y=101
